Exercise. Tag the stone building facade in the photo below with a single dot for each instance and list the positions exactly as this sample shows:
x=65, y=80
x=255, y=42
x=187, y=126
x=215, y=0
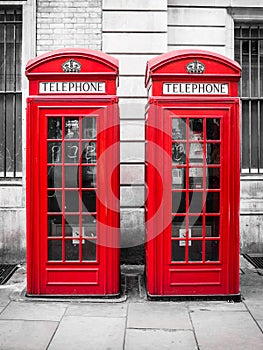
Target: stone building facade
x=133, y=31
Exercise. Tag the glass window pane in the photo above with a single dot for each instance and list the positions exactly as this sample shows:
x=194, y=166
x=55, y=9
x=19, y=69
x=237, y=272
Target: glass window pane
x=213, y=180
x=89, y=226
x=89, y=128
x=54, y=177
x=212, y=226
x=71, y=176
x=55, y=225
x=178, y=128
x=177, y=223
x=89, y=201
x=72, y=201
x=89, y=176
x=89, y=250
x=213, y=129
x=71, y=128
x=213, y=202
x=212, y=250
x=196, y=178
x=54, y=152
x=178, y=202
x=71, y=152
x=178, y=251
x=89, y=152
x=213, y=153
x=196, y=129
x=54, y=128
x=54, y=250
x=195, y=250
x=72, y=250
x=55, y=201
x=196, y=202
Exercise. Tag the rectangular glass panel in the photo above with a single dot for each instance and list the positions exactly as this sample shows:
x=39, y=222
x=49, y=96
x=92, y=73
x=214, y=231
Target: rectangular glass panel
x=196, y=178
x=212, y=250
x=178, y=222
x=178, y=153
x=54, y=177
x=55, y=225
x=54, y=250
x=178, y=128
x=89, y=201
x=213, y=153
x=89, y=226
x=178, y=251
x=89, y=176
x=71, y=176
x=213, y=129
x=71, y=152
x=72, y=201
x=212, y=226
x=54, y=152
x=72, y=128
x=195, y=250
x=195, y=202
x=72, y=249
x=196, y=129
x=89, y=250
x=71, y=224
x=55, y=128
x=212, y=202
x=178, y=178
x=89, y=128
x=178, y=202
x=89, y=152
x=55, y=201
x=213, y=180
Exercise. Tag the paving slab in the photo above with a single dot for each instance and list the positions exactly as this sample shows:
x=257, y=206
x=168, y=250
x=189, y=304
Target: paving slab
x=216, y=306
x=100, y=310
x=26, y=335
x=255, y=307
x=156, y=339
x=158, y=315
x=34, y=311
x=219, y=330
x=96, y=333
x=4, y=296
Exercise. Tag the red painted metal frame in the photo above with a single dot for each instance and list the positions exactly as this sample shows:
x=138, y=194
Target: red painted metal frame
x=100, y=277
x=191, y=278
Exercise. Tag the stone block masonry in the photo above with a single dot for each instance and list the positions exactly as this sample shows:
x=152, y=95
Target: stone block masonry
x=68, y=24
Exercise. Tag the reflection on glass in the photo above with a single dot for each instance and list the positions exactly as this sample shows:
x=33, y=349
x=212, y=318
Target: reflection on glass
x=54, y=152
x=89, y=250
x=89, y=128
x=195, y=202
x=71, y=201
x=71, y=128
x=89, y=153
x=213, y=178
x=89, y=201
x=55, y=201
x=196, y=129
x=89, y=226
x=195, y=250
x=178, y=128
x=54, y=177
x=89, y=176
x=71, y=152
x=72, y=249
x=212, y=226
x=177, y=223
x=71, y=176
x=213, y=153
x=55, y=250
x=54, y=128
x=196, y=178
x=178, y=153
x=212, y=202
x=178, y=178
x=178, y=251
x=54, y=225
x=213, y=129
x=178, y=202
x=212, y=250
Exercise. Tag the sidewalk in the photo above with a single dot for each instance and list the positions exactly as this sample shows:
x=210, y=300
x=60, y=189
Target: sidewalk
x=132, y=322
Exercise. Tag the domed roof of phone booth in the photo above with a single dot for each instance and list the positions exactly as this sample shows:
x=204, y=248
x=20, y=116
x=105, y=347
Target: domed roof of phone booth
x=175, y=63
x=91, y=61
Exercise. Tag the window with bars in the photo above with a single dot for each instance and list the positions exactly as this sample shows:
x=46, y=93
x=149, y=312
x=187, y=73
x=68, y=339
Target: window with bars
x=10, y=92
x=249, y=53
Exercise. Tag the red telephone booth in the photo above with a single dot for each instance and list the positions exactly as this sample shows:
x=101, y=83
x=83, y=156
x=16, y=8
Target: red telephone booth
x=192, y=175
x=72, y=174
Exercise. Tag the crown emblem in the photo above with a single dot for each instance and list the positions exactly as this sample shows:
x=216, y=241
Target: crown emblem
x=71, y=66
x=195, y=67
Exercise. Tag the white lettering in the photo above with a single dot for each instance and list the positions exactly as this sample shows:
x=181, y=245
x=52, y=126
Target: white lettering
x=195, y=89
x=71, y=87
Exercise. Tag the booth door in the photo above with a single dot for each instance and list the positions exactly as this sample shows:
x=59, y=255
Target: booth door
x=196, y=242
x=73, y=259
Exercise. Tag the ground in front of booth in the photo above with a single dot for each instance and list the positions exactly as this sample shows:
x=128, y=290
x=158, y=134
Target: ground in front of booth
x=131, y=322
